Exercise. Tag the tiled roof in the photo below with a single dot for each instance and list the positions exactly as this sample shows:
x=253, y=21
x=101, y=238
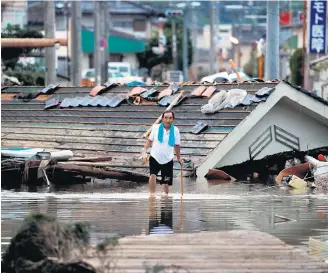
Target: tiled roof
x=117, y=132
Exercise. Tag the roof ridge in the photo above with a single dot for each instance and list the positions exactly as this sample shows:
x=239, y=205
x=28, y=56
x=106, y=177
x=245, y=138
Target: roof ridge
x=307, y=92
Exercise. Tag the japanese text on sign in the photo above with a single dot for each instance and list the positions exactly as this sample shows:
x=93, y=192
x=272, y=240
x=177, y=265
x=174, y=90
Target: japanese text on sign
x=317, y=30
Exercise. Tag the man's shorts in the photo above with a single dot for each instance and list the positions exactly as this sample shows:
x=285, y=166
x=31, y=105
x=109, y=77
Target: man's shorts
x=166, y=170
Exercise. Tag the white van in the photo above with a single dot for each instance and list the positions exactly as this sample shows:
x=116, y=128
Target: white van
x=123, y=68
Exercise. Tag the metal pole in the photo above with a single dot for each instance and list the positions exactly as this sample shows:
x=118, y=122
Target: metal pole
x=50, y=52
x=103, y=52
x=96, y=18
x=305, y=68
x=272, y=30
x=185, y=45
x=194, y=39
x=76, y=42
x=212, y=49
x=108, y=26
x=68, y=74
x=174, y=45
x=217, y=28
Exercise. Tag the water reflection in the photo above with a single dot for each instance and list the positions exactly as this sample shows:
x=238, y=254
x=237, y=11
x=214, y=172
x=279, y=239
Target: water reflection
x=164, y=223
x=215, y=208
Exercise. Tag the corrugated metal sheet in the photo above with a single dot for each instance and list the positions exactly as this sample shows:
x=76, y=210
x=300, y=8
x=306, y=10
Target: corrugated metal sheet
x=101, y=130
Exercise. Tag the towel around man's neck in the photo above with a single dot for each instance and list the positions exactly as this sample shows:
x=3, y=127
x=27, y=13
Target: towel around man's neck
x=171, y=135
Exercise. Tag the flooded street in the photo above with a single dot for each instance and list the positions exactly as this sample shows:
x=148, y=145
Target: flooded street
x=204, y=207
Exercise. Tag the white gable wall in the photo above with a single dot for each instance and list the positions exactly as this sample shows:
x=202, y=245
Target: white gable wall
x=311, y=133
x=284, y=94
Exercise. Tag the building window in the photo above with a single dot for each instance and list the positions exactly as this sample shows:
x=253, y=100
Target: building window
x=139, y=25
x=122, y=24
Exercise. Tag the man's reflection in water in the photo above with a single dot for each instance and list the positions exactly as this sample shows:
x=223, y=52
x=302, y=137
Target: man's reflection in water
x=164, y=224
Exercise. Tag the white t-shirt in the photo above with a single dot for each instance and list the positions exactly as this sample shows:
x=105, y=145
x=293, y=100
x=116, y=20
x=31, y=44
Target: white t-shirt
x=163, y=152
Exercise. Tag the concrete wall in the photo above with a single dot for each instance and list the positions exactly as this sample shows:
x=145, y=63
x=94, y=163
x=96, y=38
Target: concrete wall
x=311, y=133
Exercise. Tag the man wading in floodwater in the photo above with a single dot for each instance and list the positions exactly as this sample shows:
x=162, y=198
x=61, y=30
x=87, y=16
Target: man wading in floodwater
x=164, y=140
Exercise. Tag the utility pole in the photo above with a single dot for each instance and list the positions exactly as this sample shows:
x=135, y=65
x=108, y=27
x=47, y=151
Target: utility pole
x=174, y=45
x=108, y=26
x=185, y=44
x=272, y=30
x=217, y=30
x=194, y=39
x=305, y=68
x=212, y=49
x=76, y=42
x=103, y=35
x=50, y=52
x=97, y=29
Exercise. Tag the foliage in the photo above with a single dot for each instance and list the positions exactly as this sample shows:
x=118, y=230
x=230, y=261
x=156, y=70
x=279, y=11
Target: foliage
x=28, y=75
x=148, y=59
x=113, y=241
x=251, y=68
x=43, y=245
x=108, y=253
x=296, y=64
x=10, y=55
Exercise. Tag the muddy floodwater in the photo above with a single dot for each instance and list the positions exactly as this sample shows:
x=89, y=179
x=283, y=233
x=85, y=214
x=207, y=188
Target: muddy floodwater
x=204, y=207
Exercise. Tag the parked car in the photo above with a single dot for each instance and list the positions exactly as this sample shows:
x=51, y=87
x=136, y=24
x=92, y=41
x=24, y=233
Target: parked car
x=113, y=77
x=225, y=76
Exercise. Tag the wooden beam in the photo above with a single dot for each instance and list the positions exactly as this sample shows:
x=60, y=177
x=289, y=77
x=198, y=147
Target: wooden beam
x=100, y=173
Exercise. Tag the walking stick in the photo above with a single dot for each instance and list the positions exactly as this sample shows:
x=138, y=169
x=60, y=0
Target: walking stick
x=181, y=181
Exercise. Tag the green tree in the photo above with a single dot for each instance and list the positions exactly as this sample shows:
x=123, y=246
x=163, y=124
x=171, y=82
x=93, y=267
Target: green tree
x=148, y=59
x=28, y=75
x=296, y=64
x=10, y=55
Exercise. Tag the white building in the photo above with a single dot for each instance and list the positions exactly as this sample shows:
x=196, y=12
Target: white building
x=291, y=119
x=320, y=80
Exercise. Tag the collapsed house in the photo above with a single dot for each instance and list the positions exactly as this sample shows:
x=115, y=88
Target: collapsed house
x=111, y=121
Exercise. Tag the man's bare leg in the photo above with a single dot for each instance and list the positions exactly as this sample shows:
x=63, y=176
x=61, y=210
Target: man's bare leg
x=166, y=188
x=152, y=184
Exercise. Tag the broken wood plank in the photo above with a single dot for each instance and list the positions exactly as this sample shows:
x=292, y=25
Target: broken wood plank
x=298, y=170
x=100, y=173
x=92, y=159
